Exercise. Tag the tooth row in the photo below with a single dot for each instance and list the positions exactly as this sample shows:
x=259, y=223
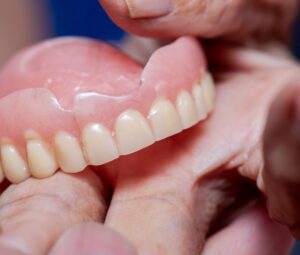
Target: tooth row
x=98, y=146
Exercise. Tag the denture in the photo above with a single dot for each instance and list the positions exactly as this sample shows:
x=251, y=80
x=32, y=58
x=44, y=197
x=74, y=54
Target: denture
x=69, y=103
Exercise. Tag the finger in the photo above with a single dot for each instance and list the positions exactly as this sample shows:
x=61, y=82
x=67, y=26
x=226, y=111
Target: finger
x=173, y=18
x=153, y=204
x=252, y=233
x=228, y=57
x=35, y=213
x=281, y=175
x=92, y=238
x=158, y=192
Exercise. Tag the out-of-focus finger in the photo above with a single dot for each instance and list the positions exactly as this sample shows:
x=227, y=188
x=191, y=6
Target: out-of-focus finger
x=252, y=233
x=92, y=238
x=35, y=213
x=281, y=174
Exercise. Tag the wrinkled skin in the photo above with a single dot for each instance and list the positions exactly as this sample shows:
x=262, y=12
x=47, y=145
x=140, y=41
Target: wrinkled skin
x=234, y=20
x=172, y=197
x=163, y=198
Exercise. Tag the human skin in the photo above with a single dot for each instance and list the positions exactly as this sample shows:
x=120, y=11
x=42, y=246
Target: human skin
x=231, y=20
x=166, y=183
x=233, y=156
x=244, y=22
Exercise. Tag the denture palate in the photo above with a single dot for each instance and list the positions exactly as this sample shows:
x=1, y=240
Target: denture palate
x=76, y=102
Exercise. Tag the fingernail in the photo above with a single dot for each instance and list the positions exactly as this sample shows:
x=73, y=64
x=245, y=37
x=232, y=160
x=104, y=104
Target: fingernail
x=148, y=8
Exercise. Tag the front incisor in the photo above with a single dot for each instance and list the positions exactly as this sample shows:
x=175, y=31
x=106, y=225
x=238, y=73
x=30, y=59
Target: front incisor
x=41, y=161
x=98, y=144
x=14, y=166
x=164, y=119
x=68, y=152
x=132, y=132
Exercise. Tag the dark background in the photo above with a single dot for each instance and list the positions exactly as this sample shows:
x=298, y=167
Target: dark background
x=87, y=18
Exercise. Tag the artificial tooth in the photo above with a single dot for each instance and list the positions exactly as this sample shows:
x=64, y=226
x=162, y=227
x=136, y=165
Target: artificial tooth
x=99, y=145
x=1, y=174
x=14, y=166
x=132, y=132
x=209, y=92
x=186, y=109
x=164, y=119
x=199, y=102
x=41, y=161
x=68, y=152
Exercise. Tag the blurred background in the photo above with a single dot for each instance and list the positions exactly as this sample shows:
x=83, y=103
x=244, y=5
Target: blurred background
x=23, y=23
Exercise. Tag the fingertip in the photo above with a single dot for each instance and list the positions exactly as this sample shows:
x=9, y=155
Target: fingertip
x=117, y=11
x=174, y=18
x=92, y=238
x=156, y=18
x=9, y=250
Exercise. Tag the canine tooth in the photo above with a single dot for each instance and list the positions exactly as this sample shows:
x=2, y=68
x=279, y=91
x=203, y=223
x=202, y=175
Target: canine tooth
x=41, y=161
x=199, y=101
x=1, y=174
x=99, y=145
x=14, y=166
x=132, y=132
x=164, y=119
x=186, y=109
x=209, y=92
x=69, y=154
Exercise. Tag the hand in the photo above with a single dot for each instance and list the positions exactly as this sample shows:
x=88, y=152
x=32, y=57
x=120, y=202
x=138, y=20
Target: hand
x=172, y=197
x=233, y=20
x=281, y=175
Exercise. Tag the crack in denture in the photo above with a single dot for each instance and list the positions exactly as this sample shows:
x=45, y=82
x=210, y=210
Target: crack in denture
x=59, y=119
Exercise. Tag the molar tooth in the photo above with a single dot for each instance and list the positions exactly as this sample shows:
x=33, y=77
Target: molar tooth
x=41, y=161
x=186, y=109
x=199, y=102
x=14, y=166
x=69, y=154
x=132, y=132
x=164, y=119
x=209, y=92
x=99, y=145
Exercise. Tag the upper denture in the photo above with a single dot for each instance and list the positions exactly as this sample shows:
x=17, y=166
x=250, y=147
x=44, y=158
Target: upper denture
x=62, y=87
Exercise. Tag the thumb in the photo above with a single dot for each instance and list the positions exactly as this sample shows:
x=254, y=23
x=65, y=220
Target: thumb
x=236, y=19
